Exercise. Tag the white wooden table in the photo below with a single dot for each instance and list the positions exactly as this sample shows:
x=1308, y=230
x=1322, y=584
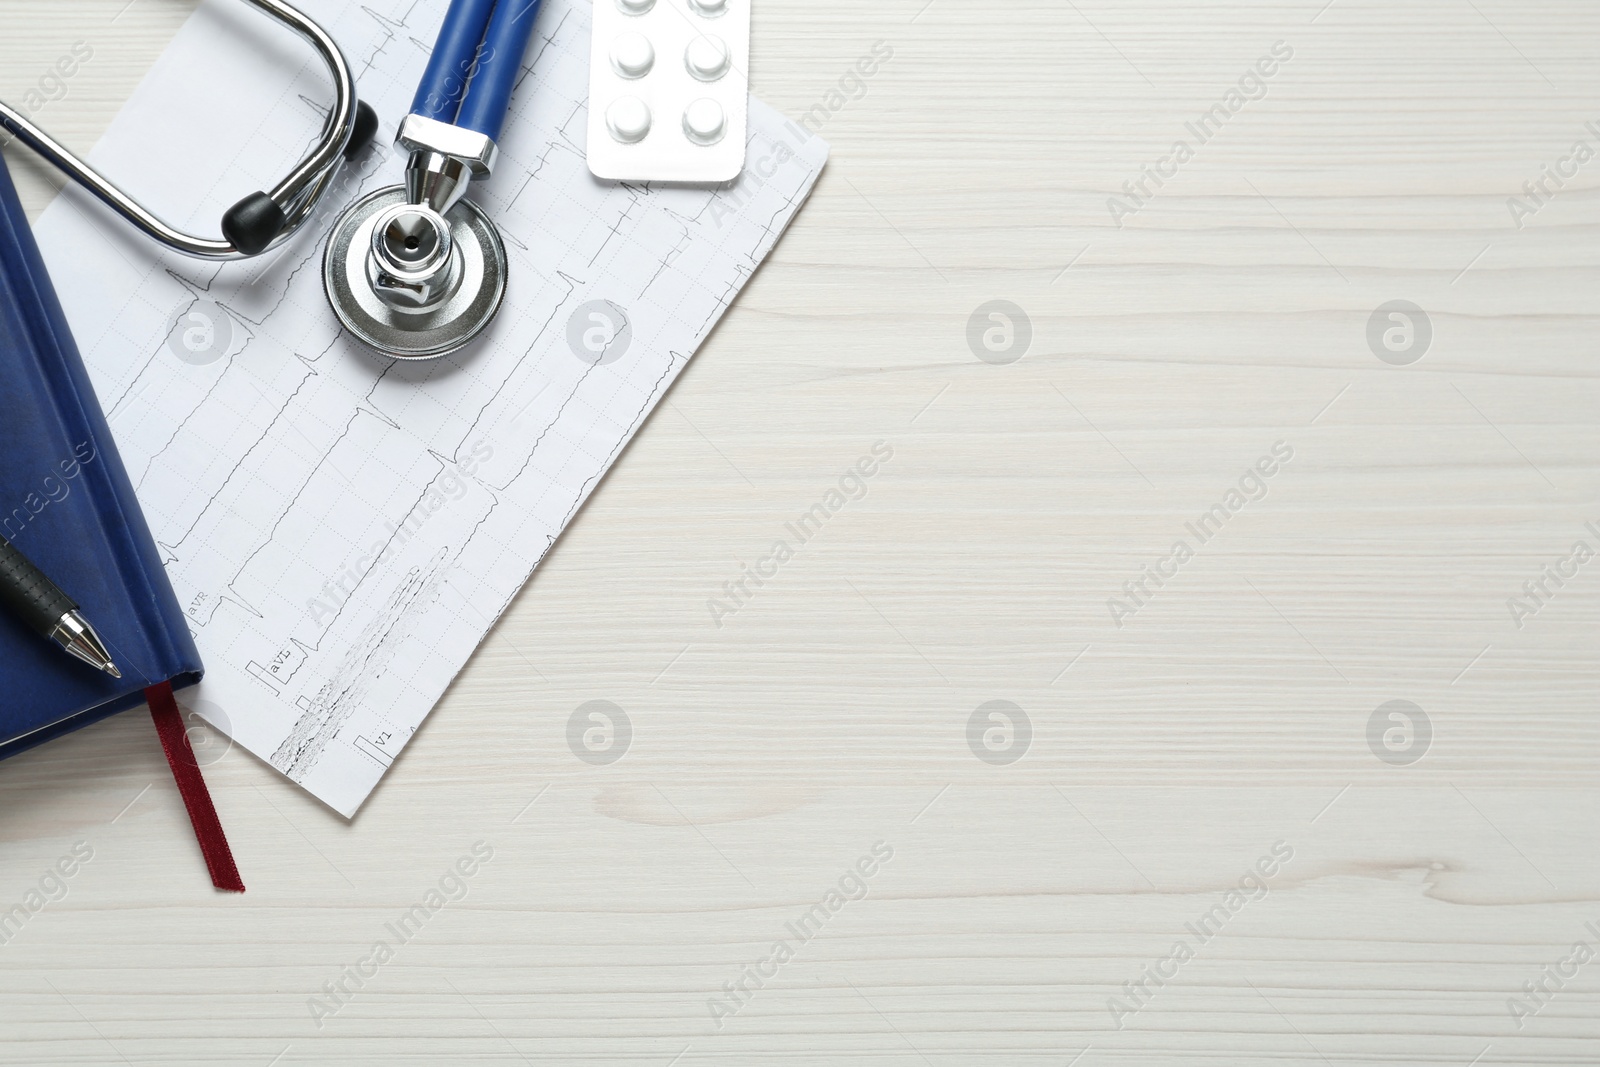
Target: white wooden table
x=1425, y=878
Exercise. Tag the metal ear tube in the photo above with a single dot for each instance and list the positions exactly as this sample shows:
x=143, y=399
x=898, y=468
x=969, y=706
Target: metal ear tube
x=261, y=221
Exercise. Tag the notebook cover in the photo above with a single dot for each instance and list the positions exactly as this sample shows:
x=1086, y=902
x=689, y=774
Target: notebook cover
x=67, y=504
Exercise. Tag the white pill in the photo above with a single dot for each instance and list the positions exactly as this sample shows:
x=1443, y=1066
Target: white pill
x=704, y=121
x=632, y=55
x=628, y=119
x=707, y=58
x=635, y=7
x=709, y=8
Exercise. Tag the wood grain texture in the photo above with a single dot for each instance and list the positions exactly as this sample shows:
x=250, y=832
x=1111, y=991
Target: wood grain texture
x=1168, y=755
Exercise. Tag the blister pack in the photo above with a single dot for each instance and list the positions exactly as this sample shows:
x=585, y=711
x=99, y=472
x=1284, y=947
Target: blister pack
x=669, y=89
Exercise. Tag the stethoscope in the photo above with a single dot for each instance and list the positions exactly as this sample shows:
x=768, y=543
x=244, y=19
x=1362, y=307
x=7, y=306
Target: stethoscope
x=415, y=270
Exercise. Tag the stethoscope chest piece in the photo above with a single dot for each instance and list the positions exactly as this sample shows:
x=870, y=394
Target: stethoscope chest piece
x=410, y=282
x=417, y=271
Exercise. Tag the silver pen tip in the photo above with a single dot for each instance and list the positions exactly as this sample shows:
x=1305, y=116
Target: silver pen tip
x=74, y=634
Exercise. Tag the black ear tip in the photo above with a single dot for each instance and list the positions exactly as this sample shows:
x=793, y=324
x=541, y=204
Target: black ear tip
x=366, y=126
x=252, y=223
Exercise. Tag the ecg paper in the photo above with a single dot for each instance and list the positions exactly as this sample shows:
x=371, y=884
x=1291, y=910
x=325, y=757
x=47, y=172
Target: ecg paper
x=343, y=530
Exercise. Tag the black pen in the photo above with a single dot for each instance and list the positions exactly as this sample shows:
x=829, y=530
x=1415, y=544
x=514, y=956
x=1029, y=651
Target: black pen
x=48, y=611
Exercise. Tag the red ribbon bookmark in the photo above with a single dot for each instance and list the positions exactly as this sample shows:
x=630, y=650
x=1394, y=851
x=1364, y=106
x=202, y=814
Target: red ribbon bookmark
x=192, y=784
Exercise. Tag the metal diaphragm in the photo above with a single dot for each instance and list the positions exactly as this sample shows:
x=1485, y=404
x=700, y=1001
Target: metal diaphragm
x=403, y=332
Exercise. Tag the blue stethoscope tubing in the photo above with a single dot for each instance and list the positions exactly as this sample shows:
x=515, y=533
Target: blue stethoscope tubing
x=475, y=62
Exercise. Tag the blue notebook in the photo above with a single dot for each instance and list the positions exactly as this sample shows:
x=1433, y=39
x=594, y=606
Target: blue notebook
x=66, y=503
